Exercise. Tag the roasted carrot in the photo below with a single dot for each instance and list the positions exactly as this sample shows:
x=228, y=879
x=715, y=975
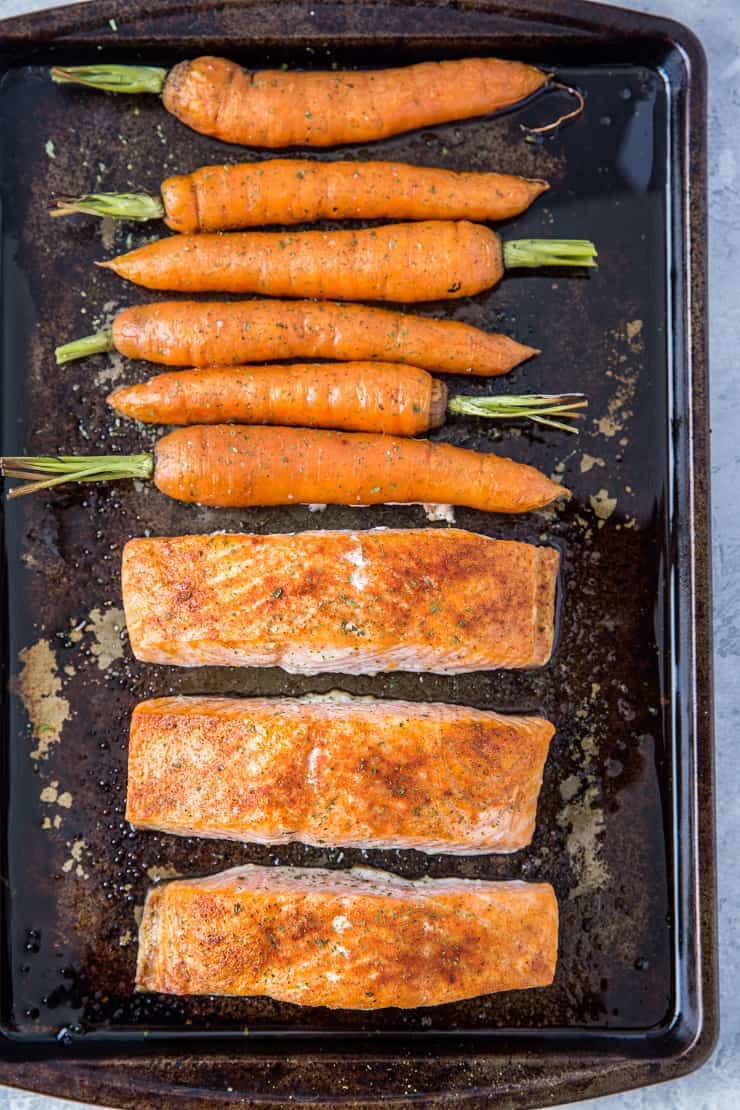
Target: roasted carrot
x=295, y=191
x=275, y=108
x=427, y=261
x=228, y=333
x=387, y=397
x=237, y=467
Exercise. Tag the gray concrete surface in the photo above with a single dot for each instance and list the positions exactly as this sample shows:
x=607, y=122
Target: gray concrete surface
x=717, y=22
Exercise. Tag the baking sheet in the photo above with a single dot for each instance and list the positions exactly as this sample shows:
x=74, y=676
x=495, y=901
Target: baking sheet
x=613, y=804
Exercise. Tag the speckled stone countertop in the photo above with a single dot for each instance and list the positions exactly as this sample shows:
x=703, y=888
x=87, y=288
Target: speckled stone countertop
x=717, y=1085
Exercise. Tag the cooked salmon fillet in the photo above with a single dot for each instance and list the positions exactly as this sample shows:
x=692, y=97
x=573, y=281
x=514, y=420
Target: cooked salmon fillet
x=356, y=939
x=359, y=602
x=336, y=771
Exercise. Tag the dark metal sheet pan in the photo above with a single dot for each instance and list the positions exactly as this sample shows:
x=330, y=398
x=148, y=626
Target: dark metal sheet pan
x=625, y=827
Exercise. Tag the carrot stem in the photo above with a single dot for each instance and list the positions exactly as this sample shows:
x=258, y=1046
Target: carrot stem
x=530, y=253
x=537, y=407
x=112, y=78
x=39, y=472
x=95, y=344
x=118, y=206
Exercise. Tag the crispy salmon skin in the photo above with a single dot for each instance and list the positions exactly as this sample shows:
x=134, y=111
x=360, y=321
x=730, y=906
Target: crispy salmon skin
x=336, y=771
x=445, y=601
x=356, y=939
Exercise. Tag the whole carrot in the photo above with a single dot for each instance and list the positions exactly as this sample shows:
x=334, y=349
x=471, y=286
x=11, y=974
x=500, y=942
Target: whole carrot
x=426, y=261
x=227, y=333
x=295, y=191
x=275, y=108
x=237, y=467
x=387, y=397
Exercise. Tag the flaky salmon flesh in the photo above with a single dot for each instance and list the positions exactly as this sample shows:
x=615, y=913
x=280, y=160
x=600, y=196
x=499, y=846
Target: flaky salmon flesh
x=356, y=939
x=439, y=600
x=337, y=771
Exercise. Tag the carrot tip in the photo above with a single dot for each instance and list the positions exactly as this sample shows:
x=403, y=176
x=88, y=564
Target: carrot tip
x=530, y=132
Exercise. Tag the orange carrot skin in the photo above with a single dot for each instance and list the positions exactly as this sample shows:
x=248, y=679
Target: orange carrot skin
x=237, y=467
x=294, y=191
x=426, y=261
x=227, y=333
x=385, y=397
x=274, y=108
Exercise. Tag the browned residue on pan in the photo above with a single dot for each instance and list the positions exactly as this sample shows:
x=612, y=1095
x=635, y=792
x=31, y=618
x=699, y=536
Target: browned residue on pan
x=40, y=686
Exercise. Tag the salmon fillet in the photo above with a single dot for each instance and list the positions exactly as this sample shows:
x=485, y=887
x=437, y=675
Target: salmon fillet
x=336, y=771
x=435, y=600
x=356, y=939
